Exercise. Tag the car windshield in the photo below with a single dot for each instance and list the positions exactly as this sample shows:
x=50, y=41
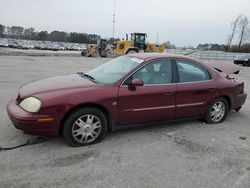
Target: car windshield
x=114, y=70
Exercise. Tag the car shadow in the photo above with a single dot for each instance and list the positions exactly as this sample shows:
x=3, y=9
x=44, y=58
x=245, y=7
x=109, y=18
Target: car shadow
x=162, y=128
x=166, y=128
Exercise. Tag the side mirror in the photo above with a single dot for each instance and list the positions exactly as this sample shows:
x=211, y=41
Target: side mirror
x=135, y=83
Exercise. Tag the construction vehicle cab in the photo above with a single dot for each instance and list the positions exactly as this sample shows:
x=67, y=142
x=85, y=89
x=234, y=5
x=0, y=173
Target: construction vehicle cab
x=139, y=40
x=137, y=43
x=102, y=44
x=101, y=49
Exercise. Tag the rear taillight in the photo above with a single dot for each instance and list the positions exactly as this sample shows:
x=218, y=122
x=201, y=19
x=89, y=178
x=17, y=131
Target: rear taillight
x=242, y=88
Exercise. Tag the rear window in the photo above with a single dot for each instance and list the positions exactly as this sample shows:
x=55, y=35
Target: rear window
x=190, y=72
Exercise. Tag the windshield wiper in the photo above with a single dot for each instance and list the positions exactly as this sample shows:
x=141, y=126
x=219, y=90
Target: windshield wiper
x=87, y=76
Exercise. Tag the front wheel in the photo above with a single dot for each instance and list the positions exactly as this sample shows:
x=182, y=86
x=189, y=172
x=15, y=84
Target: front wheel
x=108, y=54
x=132, y=52
x=94, y=53
x=85, y=126
x=217, y=111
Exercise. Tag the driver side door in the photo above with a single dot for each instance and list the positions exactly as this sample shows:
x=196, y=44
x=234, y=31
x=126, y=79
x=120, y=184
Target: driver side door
x=152, y=102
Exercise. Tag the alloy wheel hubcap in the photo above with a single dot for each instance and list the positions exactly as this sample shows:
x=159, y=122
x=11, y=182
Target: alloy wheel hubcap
x=217, y=111
x=86, y=128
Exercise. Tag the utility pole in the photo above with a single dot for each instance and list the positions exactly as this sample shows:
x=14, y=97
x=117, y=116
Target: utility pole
x=157, y=38
x=114, y=20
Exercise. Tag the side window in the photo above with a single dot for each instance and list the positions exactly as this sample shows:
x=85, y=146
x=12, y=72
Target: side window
x=156, y=72
x=190, y=72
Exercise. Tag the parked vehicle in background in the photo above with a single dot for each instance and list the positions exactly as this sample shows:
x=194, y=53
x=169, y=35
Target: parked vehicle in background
x=242, y=60
x=135, y=89
x=40, y=45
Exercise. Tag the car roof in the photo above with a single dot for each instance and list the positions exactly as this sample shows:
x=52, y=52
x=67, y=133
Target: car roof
x=224, y=67
x=150, y=56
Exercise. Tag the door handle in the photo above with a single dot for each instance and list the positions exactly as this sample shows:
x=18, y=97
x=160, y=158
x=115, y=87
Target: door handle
x=169, y=93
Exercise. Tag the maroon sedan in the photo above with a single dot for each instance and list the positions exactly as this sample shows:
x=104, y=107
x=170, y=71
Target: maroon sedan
x=135, y=89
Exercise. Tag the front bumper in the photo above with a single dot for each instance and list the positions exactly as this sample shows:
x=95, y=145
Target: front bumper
x=31, y=123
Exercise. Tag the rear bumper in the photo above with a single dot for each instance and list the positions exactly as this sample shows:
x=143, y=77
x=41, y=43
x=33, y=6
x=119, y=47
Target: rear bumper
x=29, y=123
x=240, y=100
x=240, y=62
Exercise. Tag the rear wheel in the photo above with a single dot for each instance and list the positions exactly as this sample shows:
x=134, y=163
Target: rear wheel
x=83, y=53
x=217, y=111
x=85, y=126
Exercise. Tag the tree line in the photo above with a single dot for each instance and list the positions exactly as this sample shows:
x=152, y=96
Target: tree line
x=18, y=32
x=239, y=39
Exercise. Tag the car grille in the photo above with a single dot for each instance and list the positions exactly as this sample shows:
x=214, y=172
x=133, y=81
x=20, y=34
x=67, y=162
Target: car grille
x=18, y=99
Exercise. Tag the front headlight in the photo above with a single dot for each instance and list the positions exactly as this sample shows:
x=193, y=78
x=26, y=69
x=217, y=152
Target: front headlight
x=246, y=59
x=31, y=104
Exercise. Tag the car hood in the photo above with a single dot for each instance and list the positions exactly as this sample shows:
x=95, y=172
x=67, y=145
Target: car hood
x=57, y=83
x=227, y=68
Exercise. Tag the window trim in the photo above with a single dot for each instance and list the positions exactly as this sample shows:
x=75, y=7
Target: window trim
x=151, y=61
x=190, y=62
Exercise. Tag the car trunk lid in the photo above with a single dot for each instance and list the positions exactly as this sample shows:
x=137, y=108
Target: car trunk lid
x=227, y=68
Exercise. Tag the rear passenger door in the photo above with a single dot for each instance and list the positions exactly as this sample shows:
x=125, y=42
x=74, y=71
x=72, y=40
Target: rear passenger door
x=194, y=89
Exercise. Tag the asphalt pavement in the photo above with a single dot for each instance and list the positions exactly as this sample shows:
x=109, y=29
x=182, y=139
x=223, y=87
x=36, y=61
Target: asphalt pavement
x=180, y=154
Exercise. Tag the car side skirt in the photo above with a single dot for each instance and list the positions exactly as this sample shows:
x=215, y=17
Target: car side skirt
x=121, y=127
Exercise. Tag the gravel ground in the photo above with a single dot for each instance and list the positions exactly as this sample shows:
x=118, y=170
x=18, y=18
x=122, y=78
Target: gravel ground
x=181, y=154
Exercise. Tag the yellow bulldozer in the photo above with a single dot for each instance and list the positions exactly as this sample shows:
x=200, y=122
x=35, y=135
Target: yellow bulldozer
x=137, y=43
x=100, y=49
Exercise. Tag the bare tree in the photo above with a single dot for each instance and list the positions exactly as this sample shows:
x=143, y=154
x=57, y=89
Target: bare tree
x=234, y=25
x=2, y=30
x=243, y=29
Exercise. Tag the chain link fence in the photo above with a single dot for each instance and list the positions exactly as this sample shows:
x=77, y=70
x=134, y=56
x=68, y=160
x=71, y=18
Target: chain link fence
x=207, y=54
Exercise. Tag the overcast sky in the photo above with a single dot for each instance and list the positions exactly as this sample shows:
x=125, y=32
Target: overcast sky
x=182, y=22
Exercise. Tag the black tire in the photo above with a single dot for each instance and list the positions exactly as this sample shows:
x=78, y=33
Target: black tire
x=108, y=54
x=131, y=51
x=84, y=53
x=208, y=118
x=94, y=53
x=73, y=120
